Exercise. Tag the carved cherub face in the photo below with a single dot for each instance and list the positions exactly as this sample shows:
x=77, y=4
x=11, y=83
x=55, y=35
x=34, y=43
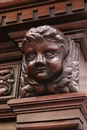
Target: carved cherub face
x=44, y=60
x=44, y=48
x=47, y=62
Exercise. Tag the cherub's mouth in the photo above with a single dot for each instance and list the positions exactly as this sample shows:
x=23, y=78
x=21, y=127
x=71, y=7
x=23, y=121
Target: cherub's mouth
x=41, y=69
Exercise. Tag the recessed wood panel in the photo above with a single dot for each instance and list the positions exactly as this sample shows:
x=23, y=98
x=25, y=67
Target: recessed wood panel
x=9, y=72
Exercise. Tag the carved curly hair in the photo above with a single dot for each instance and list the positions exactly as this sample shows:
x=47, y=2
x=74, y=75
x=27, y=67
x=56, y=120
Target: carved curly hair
x=46, y=32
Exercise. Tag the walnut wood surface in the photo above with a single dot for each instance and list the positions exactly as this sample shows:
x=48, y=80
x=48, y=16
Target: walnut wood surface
x=16, y=17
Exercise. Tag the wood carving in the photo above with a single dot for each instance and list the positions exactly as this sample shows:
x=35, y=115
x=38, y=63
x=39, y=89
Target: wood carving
x=50, y=63
x=6, y=81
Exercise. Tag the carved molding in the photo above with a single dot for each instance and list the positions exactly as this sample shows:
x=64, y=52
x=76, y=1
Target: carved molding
x=36, y=12
x=16, y=54
x=62, y=111
x=12, y=3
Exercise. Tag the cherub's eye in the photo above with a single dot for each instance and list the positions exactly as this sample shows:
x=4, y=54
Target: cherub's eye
x=31, y=57
x=49, y=54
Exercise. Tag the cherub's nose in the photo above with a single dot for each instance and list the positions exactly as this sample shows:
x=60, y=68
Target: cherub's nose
x=40, y=59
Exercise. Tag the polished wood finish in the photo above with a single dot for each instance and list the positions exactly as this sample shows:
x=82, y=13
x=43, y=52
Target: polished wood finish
x=16, y=18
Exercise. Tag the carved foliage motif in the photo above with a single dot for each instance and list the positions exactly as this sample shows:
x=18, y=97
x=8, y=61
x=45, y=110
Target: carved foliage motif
x=6, y=81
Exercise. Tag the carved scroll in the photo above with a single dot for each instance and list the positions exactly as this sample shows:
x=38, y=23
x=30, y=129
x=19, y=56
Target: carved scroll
x=6, y=81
